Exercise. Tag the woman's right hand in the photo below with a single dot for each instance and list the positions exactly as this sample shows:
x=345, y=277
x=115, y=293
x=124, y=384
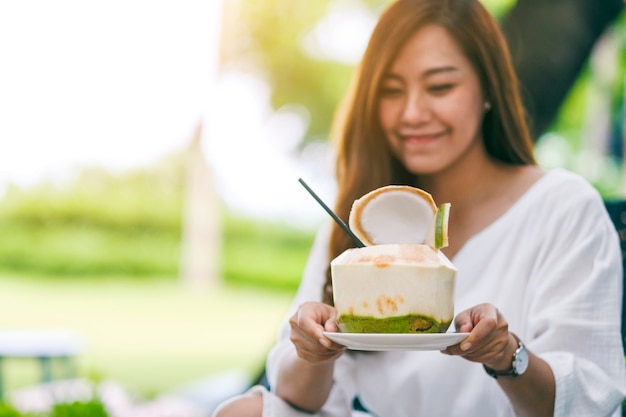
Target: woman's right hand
x=307, y=327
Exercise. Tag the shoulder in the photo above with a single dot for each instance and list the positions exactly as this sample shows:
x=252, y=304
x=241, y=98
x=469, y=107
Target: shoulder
x=564, y=202
x=565, y=189
x=568, y=181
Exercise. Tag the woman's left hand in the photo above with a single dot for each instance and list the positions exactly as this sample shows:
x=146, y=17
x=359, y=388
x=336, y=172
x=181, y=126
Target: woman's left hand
x=489, y=341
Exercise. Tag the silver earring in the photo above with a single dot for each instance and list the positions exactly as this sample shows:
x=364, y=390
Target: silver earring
x=487, y=106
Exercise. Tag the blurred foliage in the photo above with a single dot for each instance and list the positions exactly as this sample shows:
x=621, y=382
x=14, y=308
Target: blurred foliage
x=266, y=37
x=588, y=134
x=498, y=7
x=128, y=225
x=93, y=408
x=265, y=254
x=100, y=224
x=8, y=411
x=98, y=198
x=608, y=81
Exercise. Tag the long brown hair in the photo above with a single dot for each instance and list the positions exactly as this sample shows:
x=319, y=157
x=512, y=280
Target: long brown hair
x=364, y=160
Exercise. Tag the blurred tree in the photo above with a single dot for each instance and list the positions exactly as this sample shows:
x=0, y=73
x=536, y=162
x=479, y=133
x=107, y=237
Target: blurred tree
x=550, y=43
x=266, y=37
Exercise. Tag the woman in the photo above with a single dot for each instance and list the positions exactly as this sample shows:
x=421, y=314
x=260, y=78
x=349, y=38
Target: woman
x=436, y=105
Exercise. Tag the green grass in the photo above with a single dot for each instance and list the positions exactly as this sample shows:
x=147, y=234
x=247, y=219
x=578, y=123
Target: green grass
x=264, y=254
x=101, y=255
x=149, y=336
x=63, y=250
x=252, y=253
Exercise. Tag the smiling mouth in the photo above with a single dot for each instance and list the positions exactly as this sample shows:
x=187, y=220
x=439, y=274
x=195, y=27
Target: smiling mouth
x=419, y=137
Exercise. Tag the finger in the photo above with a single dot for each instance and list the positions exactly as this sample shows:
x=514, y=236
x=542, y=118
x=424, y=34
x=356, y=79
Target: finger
x=308, y=325
x=463, y=322
x=319, y=349
x=310, y=319
x=453, y=349
x=485, y=349
x=465, y=327
x=330, y=325
x=329, y=344
x=479, y=322
x=484, y=323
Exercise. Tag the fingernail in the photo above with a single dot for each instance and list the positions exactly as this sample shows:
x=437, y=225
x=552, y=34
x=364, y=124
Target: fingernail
x=465, y=346
x=324, y=342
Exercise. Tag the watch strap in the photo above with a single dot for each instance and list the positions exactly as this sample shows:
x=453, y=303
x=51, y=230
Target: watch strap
x=512, y=372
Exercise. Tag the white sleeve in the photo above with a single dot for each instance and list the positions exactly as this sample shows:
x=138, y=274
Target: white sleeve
x=575, y=314
x=339, y=403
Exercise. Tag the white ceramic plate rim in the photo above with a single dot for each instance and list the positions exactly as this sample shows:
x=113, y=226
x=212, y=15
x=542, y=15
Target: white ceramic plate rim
x=396, y=341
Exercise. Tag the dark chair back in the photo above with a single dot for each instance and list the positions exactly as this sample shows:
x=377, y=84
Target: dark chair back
x=617, y=211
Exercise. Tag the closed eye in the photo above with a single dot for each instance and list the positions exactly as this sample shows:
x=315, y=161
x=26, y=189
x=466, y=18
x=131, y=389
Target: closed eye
x=390, y=91
x=440, y=88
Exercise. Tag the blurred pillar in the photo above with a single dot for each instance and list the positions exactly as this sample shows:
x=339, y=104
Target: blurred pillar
x=202, y=235
x=550, y=41
x=201, y=240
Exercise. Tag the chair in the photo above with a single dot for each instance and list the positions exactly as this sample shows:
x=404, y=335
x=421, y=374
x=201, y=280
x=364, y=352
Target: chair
x=617, y=211
x=43, y=345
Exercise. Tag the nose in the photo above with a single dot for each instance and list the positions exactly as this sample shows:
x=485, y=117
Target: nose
x=415, y=110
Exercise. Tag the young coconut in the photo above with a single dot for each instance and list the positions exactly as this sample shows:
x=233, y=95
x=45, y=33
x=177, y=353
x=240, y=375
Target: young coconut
x=400, y=282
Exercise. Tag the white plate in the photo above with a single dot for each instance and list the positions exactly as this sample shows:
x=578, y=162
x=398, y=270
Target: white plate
x=396, y=341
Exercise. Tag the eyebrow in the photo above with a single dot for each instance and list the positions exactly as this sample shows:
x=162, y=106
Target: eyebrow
x=426, y=74
x=438, y=70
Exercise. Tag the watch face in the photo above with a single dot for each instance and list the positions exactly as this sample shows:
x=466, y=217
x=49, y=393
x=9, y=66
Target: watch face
x=521, y=360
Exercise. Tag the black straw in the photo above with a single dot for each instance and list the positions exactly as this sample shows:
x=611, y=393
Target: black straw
x=333, y=215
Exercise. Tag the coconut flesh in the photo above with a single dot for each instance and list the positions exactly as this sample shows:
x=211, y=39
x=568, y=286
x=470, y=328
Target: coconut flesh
x=397, y=283
x=393, y=214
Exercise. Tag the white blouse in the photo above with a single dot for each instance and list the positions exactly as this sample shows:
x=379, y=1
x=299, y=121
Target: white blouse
x=552, y=265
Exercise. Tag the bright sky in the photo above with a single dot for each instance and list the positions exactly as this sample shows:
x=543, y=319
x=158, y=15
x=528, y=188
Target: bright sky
x=81, y=82
x=121, y=83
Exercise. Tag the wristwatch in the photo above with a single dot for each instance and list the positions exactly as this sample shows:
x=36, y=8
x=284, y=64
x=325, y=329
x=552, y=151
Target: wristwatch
x=519, y=364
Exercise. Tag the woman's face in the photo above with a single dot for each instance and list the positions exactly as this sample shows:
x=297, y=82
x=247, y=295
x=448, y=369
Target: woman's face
x=431, y=104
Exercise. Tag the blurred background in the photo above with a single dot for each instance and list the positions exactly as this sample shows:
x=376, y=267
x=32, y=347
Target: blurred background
x=150, y=216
